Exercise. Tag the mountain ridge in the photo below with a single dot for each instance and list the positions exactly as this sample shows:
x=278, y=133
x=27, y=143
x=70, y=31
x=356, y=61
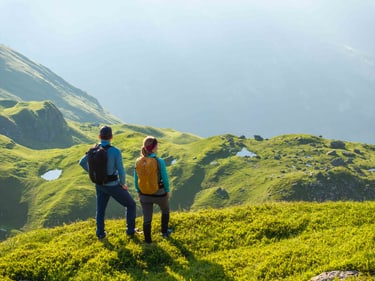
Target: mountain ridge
x=22, y=79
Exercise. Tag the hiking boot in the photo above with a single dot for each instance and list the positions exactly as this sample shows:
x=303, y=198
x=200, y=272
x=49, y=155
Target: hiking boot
x=147, y=233
x=167, y=234
x=164, y=223
x=102, y=236
x=136, y=232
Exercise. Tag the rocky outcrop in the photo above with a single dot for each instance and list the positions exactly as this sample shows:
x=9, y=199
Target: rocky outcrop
x=258, y=138
x=36, y=125
x=335, y=275
x=337, y=144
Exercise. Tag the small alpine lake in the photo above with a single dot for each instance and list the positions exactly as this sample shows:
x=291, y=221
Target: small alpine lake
x=52, y=175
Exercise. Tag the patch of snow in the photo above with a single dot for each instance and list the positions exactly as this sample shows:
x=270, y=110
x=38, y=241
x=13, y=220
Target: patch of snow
x=174, y=161
x=371, y=170
x=52, y=175
x=244, y=152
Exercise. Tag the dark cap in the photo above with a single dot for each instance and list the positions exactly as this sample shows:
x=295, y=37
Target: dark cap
x=105, y=133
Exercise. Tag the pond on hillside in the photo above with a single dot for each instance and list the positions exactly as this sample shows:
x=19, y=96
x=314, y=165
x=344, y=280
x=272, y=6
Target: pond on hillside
x=245, y=153
x=52, y=175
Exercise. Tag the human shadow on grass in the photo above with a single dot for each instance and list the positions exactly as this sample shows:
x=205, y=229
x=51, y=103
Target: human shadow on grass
x=126, y=260
x=148, y=263
x=197, y=268
x=154, y=261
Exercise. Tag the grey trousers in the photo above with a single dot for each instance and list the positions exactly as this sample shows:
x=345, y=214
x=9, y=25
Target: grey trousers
x=147, y=203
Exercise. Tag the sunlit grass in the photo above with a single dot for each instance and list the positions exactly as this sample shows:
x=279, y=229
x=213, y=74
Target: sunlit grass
x=274, y=241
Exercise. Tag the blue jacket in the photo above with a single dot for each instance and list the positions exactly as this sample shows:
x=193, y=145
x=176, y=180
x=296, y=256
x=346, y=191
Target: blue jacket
x=163, y=173
x=114, y=165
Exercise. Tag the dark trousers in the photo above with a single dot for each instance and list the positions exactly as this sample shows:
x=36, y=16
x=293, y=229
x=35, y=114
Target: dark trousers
x=122, y=196
x=147, y=203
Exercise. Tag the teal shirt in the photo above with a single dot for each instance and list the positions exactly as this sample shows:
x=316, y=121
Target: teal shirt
x=163, y=174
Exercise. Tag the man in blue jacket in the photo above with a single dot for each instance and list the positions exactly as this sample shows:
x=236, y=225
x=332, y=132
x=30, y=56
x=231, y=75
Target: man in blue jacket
x=116, y=187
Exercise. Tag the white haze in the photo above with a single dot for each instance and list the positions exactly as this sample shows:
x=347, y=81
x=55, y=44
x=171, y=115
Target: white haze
x=211, y=67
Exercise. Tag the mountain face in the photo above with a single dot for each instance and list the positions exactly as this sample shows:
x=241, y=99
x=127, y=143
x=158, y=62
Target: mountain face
x=36, y=125
x=24, y=80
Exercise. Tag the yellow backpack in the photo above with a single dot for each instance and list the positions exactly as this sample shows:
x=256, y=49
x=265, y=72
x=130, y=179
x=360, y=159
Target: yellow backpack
x=148, y=175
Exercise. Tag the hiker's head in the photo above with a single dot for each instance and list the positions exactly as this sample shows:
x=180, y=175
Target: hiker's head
x=105, y=133
x=150, y=145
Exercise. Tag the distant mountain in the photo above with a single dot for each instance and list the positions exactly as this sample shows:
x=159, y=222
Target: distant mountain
x=24, y=80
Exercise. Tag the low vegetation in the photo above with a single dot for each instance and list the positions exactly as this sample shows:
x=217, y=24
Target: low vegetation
x=271, y=241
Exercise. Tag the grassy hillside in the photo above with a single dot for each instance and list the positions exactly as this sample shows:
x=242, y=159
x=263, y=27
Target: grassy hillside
x=29, y=201
x=289, y=167
x=272, y=241
x=37, y=125
x=204, y=172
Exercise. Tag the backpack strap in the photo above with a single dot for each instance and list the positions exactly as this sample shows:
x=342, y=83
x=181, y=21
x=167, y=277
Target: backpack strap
x=112, y=177
x=160, y=179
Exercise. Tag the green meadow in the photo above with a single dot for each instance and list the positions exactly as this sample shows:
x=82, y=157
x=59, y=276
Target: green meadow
x=269, y=241
x=204, y=173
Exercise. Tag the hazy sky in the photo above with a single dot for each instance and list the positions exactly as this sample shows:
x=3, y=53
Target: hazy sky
x=169, y=63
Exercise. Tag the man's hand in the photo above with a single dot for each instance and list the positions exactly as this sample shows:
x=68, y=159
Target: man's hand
x=124, y=186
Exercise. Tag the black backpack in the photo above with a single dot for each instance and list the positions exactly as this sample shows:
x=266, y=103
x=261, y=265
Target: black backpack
x=97, y=164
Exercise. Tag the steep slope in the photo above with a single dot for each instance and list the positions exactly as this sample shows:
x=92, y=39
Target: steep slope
x=24, y=80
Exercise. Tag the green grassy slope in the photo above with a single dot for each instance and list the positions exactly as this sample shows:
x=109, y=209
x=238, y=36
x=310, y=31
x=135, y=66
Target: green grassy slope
x=289, y=167
x=30, y=201
x=272, y=241
x=203, y=173
x=37, y=125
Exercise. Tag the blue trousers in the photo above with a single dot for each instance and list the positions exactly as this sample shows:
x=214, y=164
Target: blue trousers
x=122, y=196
